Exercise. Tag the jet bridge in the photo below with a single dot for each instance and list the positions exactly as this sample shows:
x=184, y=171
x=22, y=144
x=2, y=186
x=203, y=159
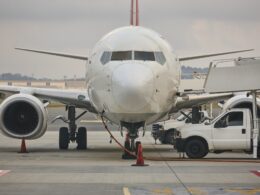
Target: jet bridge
x=237, y=75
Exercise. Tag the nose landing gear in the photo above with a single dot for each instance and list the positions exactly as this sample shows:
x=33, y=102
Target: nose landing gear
x=131, y=136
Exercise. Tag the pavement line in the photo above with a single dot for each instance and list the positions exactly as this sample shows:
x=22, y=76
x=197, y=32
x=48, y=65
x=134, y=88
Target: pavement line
x=126, y=191
x=3, y=172
x=91, y=121
x=245, y=191
x=256, y=172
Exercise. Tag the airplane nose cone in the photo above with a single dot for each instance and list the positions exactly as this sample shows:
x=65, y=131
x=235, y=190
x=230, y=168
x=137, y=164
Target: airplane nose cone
x=132, y=86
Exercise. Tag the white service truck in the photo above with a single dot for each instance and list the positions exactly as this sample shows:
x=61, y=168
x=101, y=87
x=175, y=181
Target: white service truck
x=231, y=130
x=165, y=130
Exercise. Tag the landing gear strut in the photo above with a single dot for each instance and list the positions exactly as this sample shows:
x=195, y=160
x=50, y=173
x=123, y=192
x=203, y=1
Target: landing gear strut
x=70, y=133
x=131, y=136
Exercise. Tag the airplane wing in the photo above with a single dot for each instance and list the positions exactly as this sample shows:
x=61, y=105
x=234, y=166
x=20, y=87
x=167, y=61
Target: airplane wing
x=56, y=54
x=78, y=98
x=212, y=55
x=191, y=100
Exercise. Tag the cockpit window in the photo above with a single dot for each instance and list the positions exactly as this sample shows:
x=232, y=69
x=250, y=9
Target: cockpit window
x=144, y=55
x=159, y=57
x=105, y=58
x=121, y=55
x=108, y=56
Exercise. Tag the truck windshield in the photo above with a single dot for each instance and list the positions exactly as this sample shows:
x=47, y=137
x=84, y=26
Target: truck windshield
x=182, y=117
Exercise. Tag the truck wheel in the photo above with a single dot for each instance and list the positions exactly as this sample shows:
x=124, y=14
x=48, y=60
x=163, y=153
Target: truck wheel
x=162, y=137
x=168, y=139
x=195, y=148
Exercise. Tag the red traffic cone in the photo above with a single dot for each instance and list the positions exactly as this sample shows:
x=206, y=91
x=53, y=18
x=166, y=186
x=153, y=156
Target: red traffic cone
x=23, y=147
x=140, y=158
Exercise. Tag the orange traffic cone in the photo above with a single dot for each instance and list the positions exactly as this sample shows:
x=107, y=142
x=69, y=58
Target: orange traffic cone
x=140, y=158
x=23, y=147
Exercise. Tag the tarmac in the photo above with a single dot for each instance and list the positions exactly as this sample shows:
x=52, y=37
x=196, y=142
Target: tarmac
x=99, y=170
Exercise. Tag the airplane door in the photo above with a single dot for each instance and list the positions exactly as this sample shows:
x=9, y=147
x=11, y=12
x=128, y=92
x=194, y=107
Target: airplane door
x=229, y=132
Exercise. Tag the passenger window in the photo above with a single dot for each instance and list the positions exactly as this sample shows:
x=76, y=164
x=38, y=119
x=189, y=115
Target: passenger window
x=159, y=57
x=121, y=55
x=235, y=119
x=230, y=119
x=105, y=58
x=144, y=55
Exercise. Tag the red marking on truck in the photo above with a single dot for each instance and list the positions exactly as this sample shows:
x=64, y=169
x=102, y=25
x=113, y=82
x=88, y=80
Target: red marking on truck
x=3, y=172
x=256, y=172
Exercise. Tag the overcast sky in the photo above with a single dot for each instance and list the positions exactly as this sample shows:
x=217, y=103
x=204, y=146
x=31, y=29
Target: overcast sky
x=191, y=27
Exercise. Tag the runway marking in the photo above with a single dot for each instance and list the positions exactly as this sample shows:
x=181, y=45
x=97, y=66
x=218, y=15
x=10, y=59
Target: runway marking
x=256, y=172
x=166, y=191
x=245, y=191
x=126, y=191
x=91, y=121
x=3, y=172
x=197, y=191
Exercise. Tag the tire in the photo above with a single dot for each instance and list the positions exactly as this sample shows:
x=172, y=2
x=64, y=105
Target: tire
x=168, y=139
x=127, y=145
x=82, y=138
x=195, y=148
x=64, y=138
x=161, y=136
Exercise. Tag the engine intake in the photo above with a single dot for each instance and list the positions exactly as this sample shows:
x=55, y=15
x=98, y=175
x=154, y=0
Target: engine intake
x=23, y=116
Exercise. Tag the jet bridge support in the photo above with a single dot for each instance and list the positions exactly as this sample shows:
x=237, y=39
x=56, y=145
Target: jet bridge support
x=256, y=128
x=221, y=79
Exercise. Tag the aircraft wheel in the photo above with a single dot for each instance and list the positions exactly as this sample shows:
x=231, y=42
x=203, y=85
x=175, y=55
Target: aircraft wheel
x=195, y=148
x=64, y=138
x=82, y=138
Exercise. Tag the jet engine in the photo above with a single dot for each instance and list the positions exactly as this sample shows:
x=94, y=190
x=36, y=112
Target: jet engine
x=241, y=101
x=23, y=116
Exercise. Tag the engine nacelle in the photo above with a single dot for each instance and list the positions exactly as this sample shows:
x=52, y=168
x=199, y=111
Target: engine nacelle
x=23, y=116
x=241, y=101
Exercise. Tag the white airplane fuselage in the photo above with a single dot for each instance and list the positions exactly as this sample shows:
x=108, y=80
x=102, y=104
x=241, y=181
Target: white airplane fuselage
x=133, y=76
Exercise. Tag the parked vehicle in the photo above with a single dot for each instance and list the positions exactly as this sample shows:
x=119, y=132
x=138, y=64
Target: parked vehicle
x=164, y=131
x=231, y=130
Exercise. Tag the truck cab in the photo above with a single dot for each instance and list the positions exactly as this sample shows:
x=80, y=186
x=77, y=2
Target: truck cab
x=165, y=130
x=231, y=130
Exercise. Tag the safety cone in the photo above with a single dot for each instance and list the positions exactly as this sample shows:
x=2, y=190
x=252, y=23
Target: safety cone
x=140, y=158
x=23, y=147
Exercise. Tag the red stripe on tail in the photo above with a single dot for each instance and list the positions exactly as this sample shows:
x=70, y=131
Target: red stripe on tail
x=134, y=17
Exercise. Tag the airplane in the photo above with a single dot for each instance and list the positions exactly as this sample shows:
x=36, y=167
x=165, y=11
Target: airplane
x=132, y=78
